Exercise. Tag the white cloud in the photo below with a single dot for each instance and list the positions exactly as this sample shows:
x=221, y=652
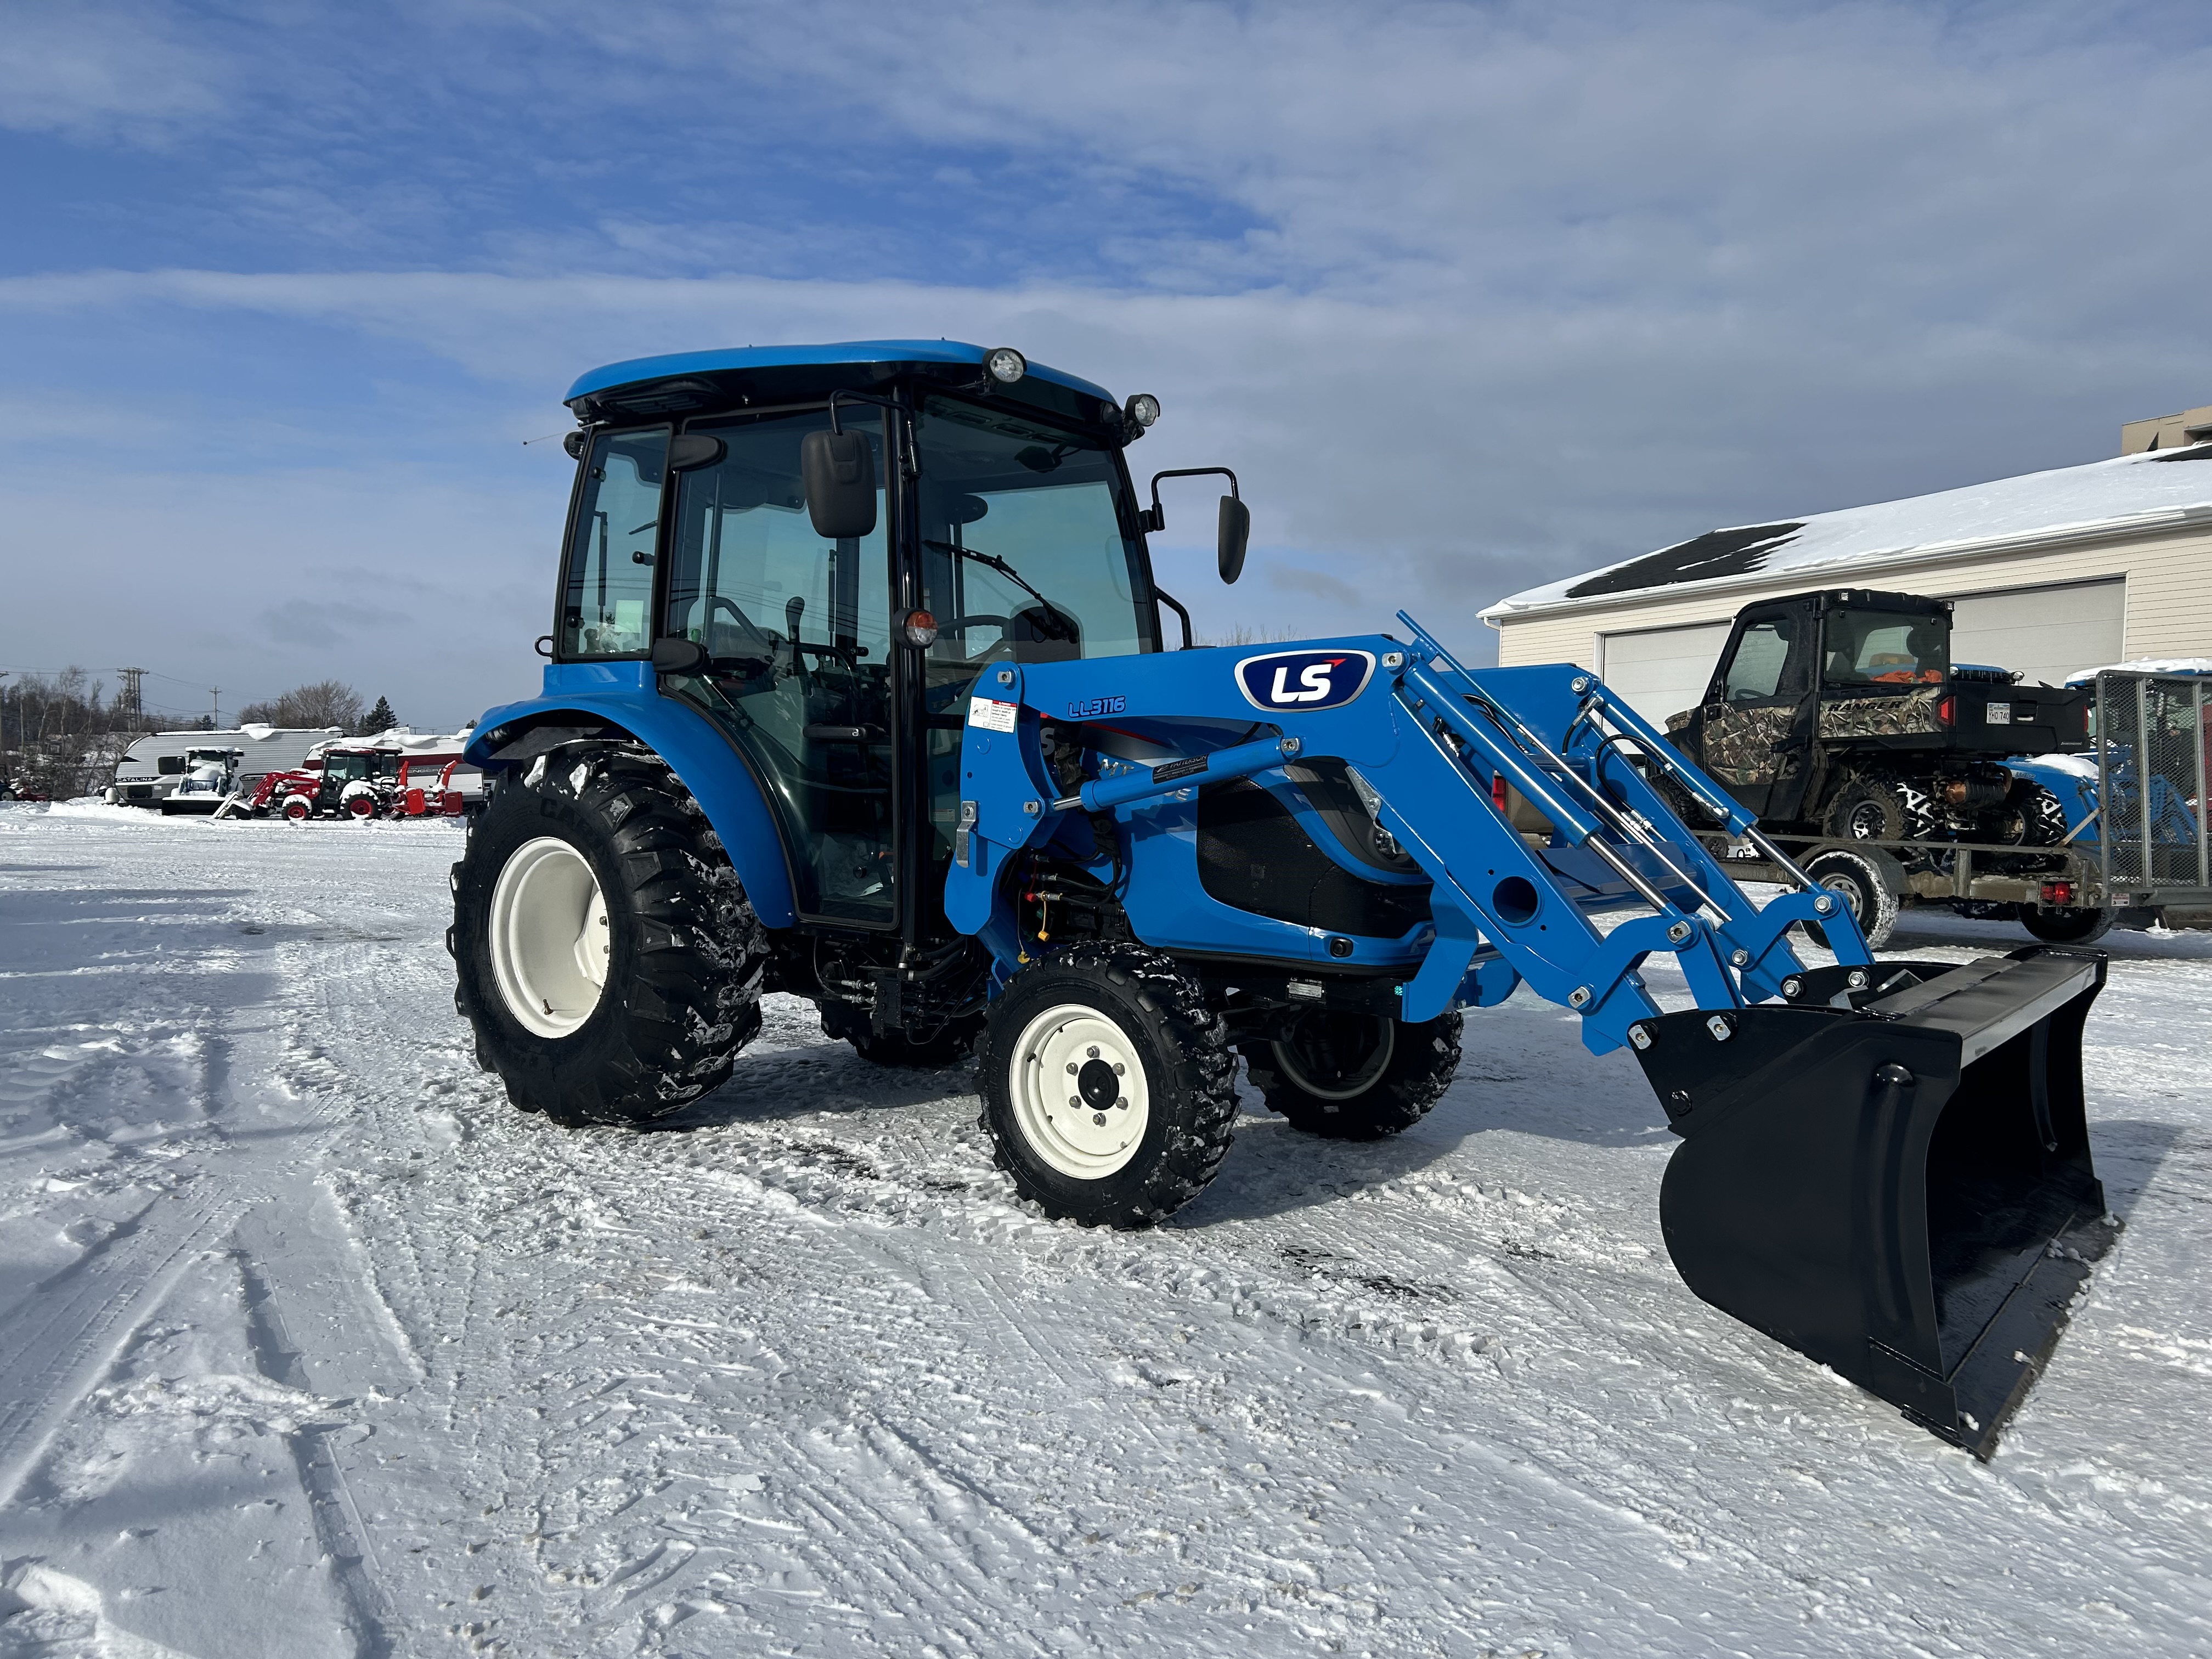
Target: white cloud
x=102, y=71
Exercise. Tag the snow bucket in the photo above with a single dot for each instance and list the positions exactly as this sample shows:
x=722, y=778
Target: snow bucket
x=1892, y=1176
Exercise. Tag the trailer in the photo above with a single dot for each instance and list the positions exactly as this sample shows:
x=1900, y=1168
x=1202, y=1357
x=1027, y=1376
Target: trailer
x=2134, y=847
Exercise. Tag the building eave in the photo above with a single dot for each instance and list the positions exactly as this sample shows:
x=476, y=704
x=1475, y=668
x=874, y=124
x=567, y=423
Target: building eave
x=1821, y=572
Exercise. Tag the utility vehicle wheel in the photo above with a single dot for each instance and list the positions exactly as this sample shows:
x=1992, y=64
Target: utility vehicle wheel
x=2067, y=924
x=1879, y=808
x=1869, y=882
x=608, y=958
x=1356, y=1077
x=848, y=1023
x=2042, y=817
x=298, y=808
x=1107, y=1087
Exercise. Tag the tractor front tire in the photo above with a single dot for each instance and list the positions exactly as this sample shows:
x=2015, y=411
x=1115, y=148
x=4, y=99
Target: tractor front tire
x=607, y=956
x=1355, y=1077
x=847, y=1022
x=1108, y=1090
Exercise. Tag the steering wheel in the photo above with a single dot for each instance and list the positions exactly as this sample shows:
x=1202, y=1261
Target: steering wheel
x=769, y=641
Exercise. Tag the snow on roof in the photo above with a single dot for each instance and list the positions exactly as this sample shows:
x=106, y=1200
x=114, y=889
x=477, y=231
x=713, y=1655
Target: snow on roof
x=2160, y=487
x=2187, y=667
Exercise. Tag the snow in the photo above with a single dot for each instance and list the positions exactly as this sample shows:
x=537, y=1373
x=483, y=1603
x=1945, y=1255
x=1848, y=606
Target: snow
x=2182, y=665
x=2149, y=491
x=315, y=1346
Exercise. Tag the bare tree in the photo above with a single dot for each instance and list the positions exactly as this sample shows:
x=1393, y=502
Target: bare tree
x=57, y=736
x=326, y=702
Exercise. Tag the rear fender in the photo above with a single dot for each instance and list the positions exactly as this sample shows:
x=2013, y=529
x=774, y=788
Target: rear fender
x=623, y=695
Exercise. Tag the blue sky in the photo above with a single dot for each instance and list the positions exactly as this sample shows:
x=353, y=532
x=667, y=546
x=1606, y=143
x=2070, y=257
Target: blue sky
x=1471, y=295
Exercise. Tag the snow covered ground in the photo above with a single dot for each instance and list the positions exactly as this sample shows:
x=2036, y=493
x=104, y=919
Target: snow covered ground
x=311, y=1344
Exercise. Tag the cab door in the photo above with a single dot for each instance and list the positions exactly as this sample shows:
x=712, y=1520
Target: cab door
x=798, y=634
x=1750, y=739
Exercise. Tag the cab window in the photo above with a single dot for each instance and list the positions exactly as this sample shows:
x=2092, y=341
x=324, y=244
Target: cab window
x=1756, y=671
x=609, y=589
x=1877, y=647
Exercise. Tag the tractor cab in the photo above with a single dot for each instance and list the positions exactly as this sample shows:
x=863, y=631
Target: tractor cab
x=822, y=551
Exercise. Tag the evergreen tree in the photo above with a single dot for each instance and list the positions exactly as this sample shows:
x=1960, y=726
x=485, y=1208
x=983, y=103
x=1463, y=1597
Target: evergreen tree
x=379, y=719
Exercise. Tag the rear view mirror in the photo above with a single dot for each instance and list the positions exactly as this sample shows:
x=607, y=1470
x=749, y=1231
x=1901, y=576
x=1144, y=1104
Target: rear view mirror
x=1235, y=530
x=693, y=450
x=839, y=471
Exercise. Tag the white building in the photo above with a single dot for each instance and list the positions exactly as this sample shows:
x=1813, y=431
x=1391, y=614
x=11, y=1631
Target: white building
x=2051, y=573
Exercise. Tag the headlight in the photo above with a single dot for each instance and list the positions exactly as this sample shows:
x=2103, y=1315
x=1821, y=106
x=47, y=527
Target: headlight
x=1005, y=365
x=1143, y=409
x=921, y=629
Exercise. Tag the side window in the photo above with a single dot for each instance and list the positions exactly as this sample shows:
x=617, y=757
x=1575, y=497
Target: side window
x=1756, y=671
x=609, y=586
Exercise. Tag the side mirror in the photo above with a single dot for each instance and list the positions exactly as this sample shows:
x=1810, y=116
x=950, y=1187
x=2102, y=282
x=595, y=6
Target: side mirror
x=1234, y=531
x=674, y=654
x=839, y=476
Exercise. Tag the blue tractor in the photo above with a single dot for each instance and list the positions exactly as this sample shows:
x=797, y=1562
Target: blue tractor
x=861, y=688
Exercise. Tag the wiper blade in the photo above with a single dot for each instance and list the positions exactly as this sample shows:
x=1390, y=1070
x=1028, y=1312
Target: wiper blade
x=1062, y=625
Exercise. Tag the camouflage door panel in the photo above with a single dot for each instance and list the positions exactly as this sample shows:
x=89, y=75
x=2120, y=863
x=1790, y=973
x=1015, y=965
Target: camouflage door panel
x=1741, y=743
x=1899, y=716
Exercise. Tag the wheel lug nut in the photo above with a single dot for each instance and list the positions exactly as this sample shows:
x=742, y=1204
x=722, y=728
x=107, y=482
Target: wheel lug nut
x=1120, y=1070
x=1071, y=1068
x=1098, y=1118
x=1092, y=1051
x=1123, y=1103
x=1073, y=1101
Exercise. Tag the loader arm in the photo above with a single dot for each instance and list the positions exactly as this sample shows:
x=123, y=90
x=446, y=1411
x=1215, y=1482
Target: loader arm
x=1886, y=1165
x=1439, y=745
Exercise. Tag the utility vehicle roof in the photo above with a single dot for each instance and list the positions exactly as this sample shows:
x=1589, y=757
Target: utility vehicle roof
x=685, y=379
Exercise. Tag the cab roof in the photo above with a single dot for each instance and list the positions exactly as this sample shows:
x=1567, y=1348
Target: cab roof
x=683, y=381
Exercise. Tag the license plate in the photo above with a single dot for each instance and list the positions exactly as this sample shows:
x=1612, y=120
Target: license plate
x=2000, y=714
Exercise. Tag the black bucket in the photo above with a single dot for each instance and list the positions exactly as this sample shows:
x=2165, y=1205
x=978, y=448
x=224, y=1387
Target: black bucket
x=1892, y=1176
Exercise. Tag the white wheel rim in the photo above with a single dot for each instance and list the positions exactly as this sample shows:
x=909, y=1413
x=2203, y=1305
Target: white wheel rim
x=550, y=941
x=1063, y=1055
x=1286, y=1057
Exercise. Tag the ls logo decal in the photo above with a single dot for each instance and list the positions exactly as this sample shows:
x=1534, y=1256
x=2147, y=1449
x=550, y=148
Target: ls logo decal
x=1305, y=681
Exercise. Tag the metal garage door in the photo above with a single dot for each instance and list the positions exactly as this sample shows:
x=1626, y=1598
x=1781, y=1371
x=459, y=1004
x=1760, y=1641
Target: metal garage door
x=2046, y=633
x=1660, y=671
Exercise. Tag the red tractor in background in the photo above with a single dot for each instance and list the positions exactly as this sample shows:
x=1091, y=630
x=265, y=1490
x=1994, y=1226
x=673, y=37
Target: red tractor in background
x=361, y=778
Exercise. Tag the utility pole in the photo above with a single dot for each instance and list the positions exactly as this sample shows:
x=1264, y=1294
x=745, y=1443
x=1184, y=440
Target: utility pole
x=133, y=704
x=216, y=691
x=3, y=733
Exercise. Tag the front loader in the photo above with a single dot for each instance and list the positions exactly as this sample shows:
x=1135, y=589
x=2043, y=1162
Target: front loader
x=859, y=691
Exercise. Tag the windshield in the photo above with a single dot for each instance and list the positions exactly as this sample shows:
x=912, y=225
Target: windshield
x=347, y=768
x=1887, y=647
x=1028, y=548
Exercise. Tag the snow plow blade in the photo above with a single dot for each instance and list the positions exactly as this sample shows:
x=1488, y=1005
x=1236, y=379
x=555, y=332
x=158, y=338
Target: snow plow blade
x=1892, y=1179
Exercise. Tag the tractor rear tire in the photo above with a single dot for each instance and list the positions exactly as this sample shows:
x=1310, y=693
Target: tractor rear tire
x=1108, y=1090
x=1356, y=1077
x=847, y=1022
x=608, y=959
